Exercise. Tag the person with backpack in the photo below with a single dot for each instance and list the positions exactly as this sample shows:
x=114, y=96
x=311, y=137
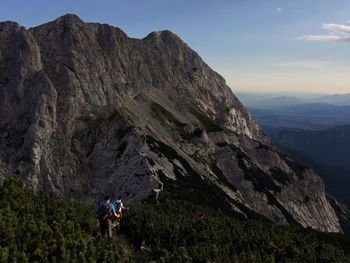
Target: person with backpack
x=105, y=212
x=119, y=208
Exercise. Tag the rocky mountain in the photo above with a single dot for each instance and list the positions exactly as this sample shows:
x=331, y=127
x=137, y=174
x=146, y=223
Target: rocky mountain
x=84, y=110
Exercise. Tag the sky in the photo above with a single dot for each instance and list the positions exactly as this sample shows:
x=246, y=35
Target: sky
x=299, y=46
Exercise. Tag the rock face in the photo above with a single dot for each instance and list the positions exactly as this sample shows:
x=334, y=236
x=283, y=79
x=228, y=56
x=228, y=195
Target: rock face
x=86, y=110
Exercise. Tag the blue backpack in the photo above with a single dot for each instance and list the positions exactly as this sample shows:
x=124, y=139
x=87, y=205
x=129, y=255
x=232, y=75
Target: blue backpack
x=105, y=213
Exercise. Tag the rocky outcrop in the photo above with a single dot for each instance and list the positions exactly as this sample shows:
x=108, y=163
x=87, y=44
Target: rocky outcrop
x=86, y=110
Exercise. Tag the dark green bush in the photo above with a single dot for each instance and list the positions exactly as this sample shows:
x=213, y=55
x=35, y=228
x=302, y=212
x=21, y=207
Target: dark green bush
x=208, y=124
x=43, y=228
x=178, y=231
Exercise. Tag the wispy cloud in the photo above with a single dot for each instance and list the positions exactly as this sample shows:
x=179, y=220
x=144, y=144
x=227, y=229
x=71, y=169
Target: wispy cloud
x=342, y=29
x=326, y=38
x=278, y=9
x=338, y=33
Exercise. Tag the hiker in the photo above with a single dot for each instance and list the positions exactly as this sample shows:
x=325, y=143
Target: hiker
x=119, y=208
x=105, y=212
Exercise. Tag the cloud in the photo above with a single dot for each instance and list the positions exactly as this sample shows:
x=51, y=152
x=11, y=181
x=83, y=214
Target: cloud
x=338, y=33
x=326, y=38
x=278, y=9
x=304, y=64
x=342, y=29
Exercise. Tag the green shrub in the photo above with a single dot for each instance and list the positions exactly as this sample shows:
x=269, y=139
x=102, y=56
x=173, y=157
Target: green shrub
x=208, y=124
x=43, y=228
x=178, y=231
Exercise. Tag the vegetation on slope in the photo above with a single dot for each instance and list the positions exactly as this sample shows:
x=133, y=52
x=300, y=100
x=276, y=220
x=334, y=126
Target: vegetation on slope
x=43, y=228
x=178, y=231
x=160, y=113
x=208, y=124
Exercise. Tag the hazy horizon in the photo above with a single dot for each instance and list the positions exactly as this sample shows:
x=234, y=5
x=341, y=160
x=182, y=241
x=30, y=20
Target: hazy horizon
x=258, y=46
x=287, y=93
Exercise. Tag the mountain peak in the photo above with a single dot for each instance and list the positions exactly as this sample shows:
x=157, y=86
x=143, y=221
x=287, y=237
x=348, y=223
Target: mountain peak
x=8, y=26
x=70, y=18
x=91, y=111
x=164, y=35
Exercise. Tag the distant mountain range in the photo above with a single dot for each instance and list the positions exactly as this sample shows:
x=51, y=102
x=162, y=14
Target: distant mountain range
x=312, y=112
x=330, y=147
x=312, y=116
x=337, y=99
x=328, y=152
x=265, y=101
x=315, y=130
x=259, y=100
